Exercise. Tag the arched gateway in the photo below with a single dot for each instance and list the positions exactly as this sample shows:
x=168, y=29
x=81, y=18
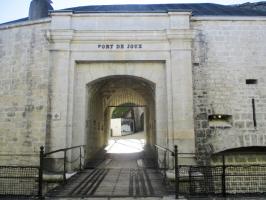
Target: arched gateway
x=95, y=68
x=104, y=95
x=99, y=86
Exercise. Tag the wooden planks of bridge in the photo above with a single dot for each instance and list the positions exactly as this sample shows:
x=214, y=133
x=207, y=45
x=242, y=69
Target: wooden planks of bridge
x=112, y=183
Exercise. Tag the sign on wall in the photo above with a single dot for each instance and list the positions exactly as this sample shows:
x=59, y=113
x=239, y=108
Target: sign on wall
x=119, y=46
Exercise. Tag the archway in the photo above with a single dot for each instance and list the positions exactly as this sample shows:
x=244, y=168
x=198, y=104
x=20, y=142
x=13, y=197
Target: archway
x=104, y=96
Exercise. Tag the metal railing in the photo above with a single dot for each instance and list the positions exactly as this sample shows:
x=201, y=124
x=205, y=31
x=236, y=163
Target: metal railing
x=45, y=155
x=191, y=180
x=18, y=182
x=173, y=153
x=225, y=181
x=214, y=180
x=178, y=169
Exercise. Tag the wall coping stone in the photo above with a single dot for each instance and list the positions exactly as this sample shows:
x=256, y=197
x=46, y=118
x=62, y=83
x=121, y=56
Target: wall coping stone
x=25, y=23
x=228, y=18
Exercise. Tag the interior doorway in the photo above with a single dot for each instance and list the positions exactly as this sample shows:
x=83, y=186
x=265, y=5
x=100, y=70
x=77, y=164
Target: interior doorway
x=127, y=134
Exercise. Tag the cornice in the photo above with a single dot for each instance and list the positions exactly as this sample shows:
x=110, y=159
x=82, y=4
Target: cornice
x=58, y=35
x=83, y=36
x=184, y=34
x=228, y=18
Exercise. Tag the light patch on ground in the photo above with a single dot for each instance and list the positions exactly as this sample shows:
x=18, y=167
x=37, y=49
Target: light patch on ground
x=125, y=145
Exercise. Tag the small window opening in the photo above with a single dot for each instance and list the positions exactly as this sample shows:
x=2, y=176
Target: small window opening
x=220, y=120
x=196, y=64
x=251, y=81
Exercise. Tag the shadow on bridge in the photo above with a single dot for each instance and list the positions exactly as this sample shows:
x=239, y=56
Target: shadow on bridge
x=127, y=170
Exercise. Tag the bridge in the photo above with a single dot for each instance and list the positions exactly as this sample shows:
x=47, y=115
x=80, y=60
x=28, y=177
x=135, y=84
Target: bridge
x=126, y=169
x=118, y=176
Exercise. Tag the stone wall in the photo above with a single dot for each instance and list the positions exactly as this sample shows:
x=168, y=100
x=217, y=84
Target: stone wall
x=23, y=92
x=225, y=54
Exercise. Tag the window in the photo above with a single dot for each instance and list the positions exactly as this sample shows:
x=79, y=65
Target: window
x=251, y=81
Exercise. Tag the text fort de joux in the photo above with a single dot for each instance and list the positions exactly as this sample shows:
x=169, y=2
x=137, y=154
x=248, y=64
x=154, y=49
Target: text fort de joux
x=119, y=46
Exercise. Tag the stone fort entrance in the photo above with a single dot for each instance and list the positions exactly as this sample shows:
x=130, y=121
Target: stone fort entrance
x=98, y=87
x=199, y=74
x=95, y=68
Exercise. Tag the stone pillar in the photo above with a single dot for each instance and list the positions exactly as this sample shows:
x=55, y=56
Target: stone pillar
x=180, y=38
x=60, y=64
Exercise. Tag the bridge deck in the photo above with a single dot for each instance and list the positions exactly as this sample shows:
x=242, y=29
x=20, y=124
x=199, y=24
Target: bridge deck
x=120, y=175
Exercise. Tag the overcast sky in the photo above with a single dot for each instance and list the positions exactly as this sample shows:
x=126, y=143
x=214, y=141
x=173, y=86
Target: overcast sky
x=16, y=9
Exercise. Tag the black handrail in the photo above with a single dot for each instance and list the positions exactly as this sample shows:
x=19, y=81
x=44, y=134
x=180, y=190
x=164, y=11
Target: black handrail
x=43, y=155
x=64, y=149
x=41, y=172
x=163, y=148
x=175, y=154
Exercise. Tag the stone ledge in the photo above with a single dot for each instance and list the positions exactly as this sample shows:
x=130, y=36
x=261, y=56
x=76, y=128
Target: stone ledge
x=25, y=23
x=228, y=18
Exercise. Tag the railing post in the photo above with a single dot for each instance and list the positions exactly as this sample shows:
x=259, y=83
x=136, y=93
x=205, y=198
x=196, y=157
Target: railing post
x=164, y=160
x=223, y=178
x=80, y=158
x=176, y=173
x=41, y=172
x=64, y=173
x=190, y=180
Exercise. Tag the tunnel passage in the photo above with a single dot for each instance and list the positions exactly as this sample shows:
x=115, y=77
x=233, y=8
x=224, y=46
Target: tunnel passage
x=107, y=94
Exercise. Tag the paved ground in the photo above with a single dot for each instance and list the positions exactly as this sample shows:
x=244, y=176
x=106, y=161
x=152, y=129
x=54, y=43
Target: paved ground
x=127, y=144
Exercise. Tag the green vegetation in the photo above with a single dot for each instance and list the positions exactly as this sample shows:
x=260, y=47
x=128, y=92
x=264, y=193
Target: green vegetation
x=121, y=110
